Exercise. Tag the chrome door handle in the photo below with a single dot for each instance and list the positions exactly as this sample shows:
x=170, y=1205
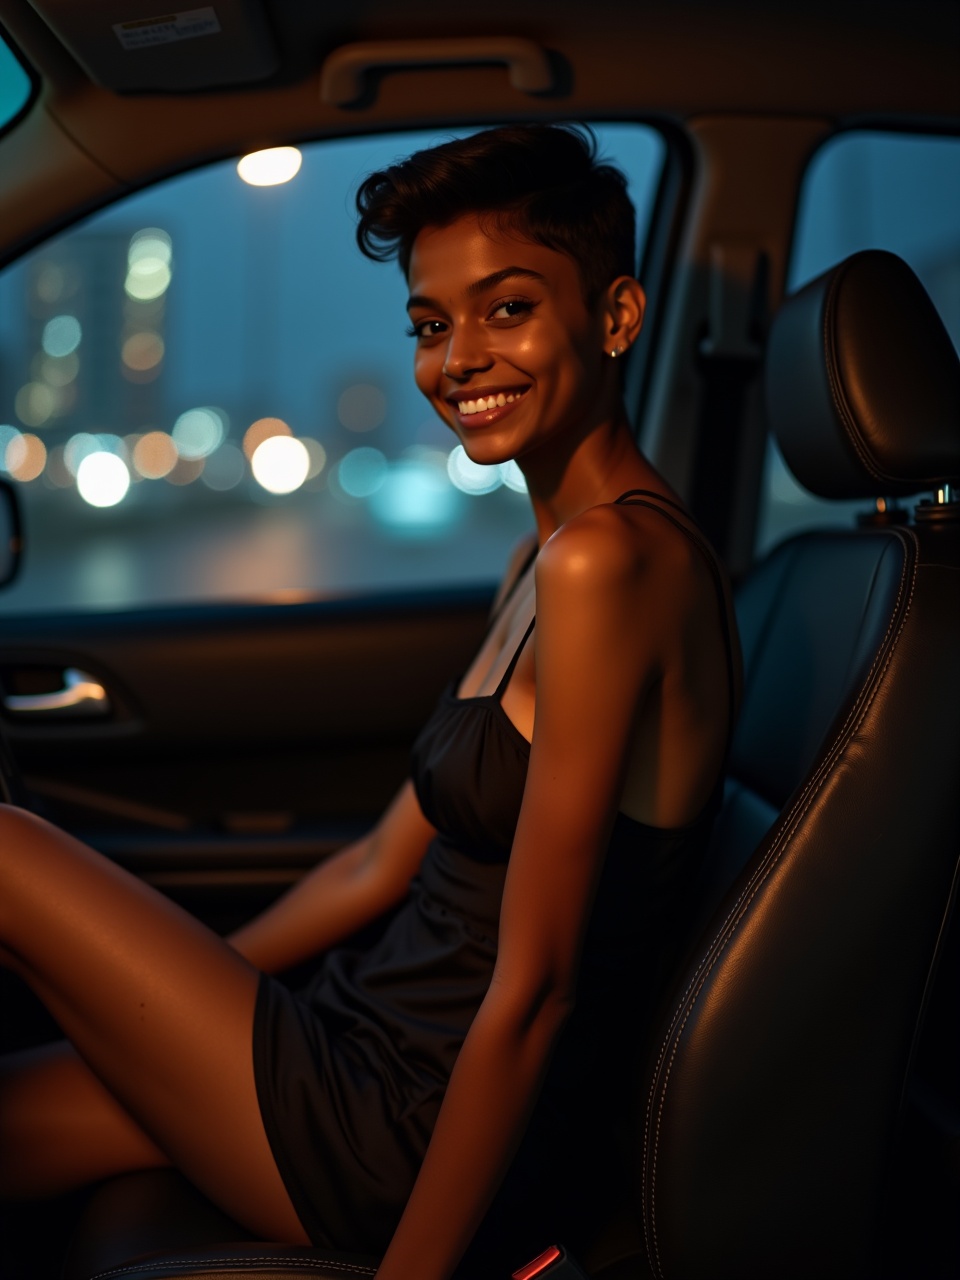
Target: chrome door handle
x=81, y=695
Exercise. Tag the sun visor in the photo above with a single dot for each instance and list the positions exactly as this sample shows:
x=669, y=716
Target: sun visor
x=136, y=46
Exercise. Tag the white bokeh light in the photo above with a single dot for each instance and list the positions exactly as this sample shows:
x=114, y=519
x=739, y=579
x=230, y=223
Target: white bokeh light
x=149, y=270
x=512, y=477
x=198, y=432
x=280, y=464
x=270, y=167
x=147, y=279
x=103, y=479
x=472, y=477
x=151, y=242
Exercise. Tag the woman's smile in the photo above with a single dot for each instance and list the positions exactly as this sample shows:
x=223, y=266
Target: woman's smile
x=481, y=407
x=501, y=325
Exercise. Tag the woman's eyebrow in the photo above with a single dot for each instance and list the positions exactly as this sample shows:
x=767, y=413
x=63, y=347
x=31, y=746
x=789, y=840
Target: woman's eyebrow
x=482, y=285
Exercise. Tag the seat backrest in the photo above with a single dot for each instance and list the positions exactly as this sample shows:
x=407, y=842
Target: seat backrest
x=774, y=1092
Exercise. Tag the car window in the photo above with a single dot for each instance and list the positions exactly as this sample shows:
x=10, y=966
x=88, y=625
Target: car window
x=869, y=190
x=206, y=393
x=15, y=87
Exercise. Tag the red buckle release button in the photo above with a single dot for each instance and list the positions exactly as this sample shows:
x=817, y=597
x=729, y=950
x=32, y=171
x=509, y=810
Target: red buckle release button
x=538, y=1265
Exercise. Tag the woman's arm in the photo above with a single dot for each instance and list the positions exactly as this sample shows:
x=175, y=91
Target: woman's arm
x=346, y=891
x=593, y=673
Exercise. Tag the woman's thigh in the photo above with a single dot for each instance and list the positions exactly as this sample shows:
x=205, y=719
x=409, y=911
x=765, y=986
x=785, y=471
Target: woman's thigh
x=158, y=1007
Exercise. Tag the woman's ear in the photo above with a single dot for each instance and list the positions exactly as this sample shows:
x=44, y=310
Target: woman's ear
x=622, y=308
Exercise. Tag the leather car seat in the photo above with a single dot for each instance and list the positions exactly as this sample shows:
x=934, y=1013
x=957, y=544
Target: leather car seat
x=768, y=1121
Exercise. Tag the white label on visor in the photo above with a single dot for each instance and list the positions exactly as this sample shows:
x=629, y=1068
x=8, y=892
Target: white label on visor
x=144, y=33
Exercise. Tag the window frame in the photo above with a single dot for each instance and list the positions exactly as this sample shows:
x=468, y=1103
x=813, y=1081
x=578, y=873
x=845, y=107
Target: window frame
x=658, y=252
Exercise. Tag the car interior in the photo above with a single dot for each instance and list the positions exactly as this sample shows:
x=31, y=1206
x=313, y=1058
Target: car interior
x=797, y=173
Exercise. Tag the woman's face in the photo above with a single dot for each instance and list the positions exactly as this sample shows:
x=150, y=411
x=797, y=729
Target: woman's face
x=507, y=351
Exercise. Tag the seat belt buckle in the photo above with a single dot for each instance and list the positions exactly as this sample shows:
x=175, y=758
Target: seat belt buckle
x=553, y=1264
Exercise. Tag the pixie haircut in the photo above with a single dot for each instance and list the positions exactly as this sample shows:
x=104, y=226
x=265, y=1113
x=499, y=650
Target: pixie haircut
x=541, y=182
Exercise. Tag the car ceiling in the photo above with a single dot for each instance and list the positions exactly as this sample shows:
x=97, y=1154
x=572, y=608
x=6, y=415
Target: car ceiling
x=82, y=142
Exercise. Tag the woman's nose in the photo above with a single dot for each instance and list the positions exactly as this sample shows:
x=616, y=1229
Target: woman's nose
x=465, y=354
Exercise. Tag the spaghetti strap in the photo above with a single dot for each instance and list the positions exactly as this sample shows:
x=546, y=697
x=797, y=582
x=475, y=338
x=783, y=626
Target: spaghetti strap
x=528, y=561
x=660, y=497
x=640, y=498
x=505, y=678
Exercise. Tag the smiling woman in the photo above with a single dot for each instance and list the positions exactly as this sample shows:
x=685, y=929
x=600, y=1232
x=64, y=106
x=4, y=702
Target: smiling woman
x=568, y=781
x=539, y=858
x=491, y=360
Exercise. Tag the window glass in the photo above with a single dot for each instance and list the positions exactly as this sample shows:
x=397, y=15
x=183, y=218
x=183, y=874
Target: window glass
x=14, y=85
x=869, y=191
x=206, y=394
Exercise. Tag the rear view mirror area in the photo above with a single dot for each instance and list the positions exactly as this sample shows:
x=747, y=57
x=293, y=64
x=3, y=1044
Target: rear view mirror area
x=11, y=543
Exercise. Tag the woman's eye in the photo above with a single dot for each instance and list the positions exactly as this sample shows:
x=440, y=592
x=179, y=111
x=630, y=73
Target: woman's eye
x=510, y=309
x=426, y=329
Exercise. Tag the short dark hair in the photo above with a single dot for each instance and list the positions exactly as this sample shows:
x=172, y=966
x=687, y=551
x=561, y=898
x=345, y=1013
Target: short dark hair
x=543, y=182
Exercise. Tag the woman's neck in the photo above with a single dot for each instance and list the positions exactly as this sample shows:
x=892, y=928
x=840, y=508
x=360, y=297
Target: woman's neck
x=597, y=467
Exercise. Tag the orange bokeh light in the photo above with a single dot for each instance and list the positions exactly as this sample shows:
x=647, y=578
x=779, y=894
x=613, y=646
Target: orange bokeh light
x=263, y=429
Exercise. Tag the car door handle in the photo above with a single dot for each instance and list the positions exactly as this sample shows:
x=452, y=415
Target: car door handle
x=81, y=695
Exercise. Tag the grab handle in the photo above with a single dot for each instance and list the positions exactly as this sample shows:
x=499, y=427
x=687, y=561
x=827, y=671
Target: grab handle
x=341, y=80
x=81, y=695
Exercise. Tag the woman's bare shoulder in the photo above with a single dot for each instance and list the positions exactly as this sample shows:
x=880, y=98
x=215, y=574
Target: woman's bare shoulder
x=615, y=545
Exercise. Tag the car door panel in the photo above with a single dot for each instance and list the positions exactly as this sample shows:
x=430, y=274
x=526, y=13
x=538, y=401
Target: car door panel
x=242, y=742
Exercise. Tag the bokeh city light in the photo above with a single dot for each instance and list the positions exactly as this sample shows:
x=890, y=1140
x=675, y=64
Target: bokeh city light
x=103, y=479
x=361, y=472
x=270, y=167
x=472, y=477
x=280, y=464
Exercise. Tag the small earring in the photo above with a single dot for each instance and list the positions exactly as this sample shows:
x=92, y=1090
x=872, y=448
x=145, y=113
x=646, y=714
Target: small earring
x=617, y=351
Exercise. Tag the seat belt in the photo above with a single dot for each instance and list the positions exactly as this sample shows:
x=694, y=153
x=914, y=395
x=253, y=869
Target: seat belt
x=729, y=357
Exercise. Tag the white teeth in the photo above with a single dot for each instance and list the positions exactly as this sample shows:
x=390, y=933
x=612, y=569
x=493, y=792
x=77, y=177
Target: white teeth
x=485, y=403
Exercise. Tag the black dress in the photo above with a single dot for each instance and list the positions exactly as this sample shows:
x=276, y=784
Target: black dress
x=351, y=1071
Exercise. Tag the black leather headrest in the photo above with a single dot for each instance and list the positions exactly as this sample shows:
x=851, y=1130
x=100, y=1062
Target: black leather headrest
x=863, y=383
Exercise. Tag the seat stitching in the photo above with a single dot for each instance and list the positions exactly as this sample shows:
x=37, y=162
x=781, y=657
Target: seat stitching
x=724, y=934
x=241, y=1264
x=864, y=612
x=847, y=419
x=762, y=873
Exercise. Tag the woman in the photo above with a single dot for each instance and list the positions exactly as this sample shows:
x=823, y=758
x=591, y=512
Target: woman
x=560, y=801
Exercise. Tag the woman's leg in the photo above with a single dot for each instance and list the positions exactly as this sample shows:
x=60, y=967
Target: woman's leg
x=61, y=1128
x=158, y=1008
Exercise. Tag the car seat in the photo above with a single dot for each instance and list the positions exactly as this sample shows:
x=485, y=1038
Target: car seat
x=774, y=1098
